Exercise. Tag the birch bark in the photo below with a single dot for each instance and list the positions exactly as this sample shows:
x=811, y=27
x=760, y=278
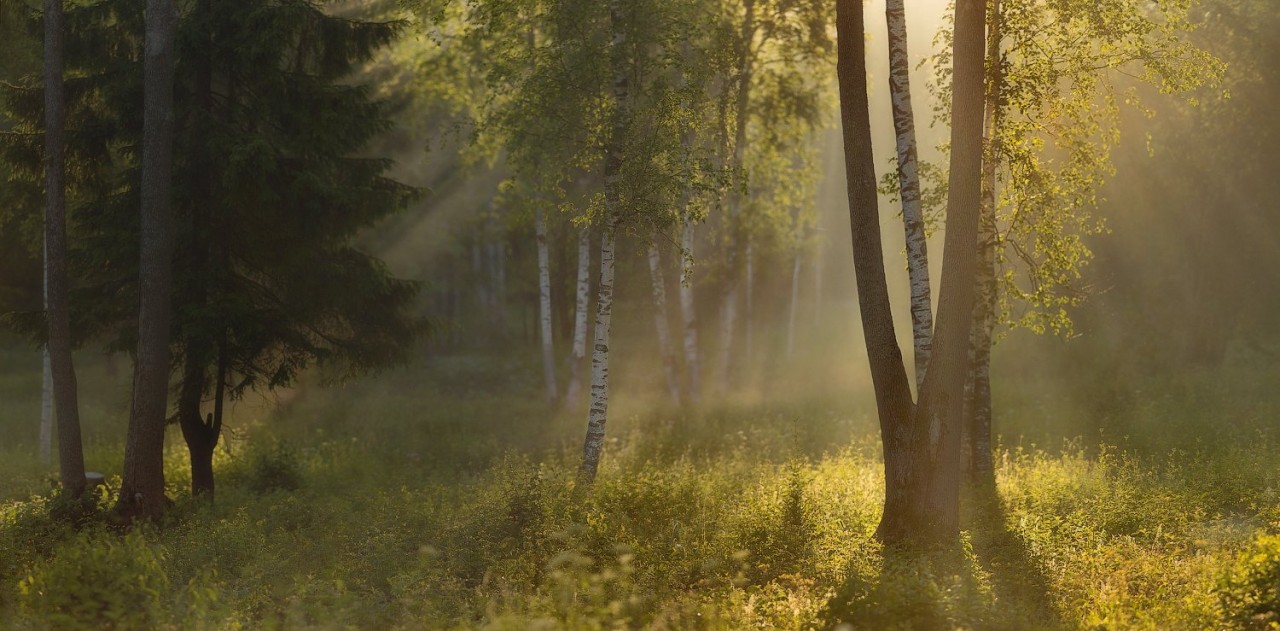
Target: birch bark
x=909, y=183
x=57, y=299
x=662, y=323
x=597, y=414
x=544, y=307
x=579, y=352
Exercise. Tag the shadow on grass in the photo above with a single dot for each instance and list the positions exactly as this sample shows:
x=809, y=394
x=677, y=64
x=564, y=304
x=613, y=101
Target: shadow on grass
x=989, y=581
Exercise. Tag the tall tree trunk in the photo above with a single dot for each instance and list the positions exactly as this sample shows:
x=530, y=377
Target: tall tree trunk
x=142, y=491
x=579, y=352
x=597, y=413
x=729, y=309
x=57, y=299
x=195, y=430
x=544, y=307
x=940, y=414
x=888, y=373
x=921, y=443
x=978, y=423
x=662, y=323
x=688, y=311
x=819, y=262
x=46, y=385
x=46, y=409
x=795, y=302
x=909, y=184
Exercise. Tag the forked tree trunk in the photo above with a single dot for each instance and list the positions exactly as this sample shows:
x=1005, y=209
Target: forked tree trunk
x=909, y=184
x=142, y=491
x=579, y=352
x=662, y=323
x=544, y=308
x=978, y=423
x=597, y=414
x=688, y=312
x=57, y=298
x=921, y=443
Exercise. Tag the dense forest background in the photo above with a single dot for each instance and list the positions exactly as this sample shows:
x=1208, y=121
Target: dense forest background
x=382, y=348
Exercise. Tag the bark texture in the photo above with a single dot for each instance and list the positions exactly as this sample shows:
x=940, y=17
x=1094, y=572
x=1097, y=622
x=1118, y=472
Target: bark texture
x=579, y=351
x=888, y=373
x=978, y=423
x=598, y=411
x=544, y=308
x=57, y=294
x=46, y=410
x=142, y=491
x=921, y=443
x=941, y=411
x=662, y=324
x=909, y=184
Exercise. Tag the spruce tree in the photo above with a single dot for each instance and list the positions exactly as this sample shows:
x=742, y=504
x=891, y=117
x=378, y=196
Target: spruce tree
x=271, y=192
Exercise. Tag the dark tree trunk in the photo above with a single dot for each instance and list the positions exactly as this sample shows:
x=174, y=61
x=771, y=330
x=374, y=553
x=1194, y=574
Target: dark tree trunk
x=941, y=411
x=921, y=443
x=978, y=406
x=142, y=491
x=58, y=307
x=888, y=374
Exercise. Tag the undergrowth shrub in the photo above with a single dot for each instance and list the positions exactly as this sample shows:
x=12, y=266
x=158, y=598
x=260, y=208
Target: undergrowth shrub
x=275, y=468
x=1250, y=591
x=97, y=580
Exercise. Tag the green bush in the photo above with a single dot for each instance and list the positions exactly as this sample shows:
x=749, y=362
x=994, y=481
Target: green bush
x=1250, y=592
x=97, y=580
x=275, y=468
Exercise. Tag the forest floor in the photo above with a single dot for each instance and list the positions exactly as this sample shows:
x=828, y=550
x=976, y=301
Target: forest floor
x=435, y=497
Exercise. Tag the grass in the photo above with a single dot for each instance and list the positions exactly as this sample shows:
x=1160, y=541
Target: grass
x=444, y=496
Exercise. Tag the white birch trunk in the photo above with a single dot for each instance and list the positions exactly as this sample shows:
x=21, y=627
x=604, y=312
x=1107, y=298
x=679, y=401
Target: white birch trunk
x=579, y=352
x=662, y=323
x=909, y=183
x=688, y=312
x=795, y=301
x=597, y=413
x=544, y=307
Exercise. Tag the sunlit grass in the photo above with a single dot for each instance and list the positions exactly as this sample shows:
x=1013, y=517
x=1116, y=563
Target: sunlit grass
x=376, y=506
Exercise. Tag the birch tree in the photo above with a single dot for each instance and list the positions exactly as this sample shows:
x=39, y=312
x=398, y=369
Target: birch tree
x=909, y=185
x=577, y=356
x=1058, y=75
x=921, y=442
x=544, y=306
